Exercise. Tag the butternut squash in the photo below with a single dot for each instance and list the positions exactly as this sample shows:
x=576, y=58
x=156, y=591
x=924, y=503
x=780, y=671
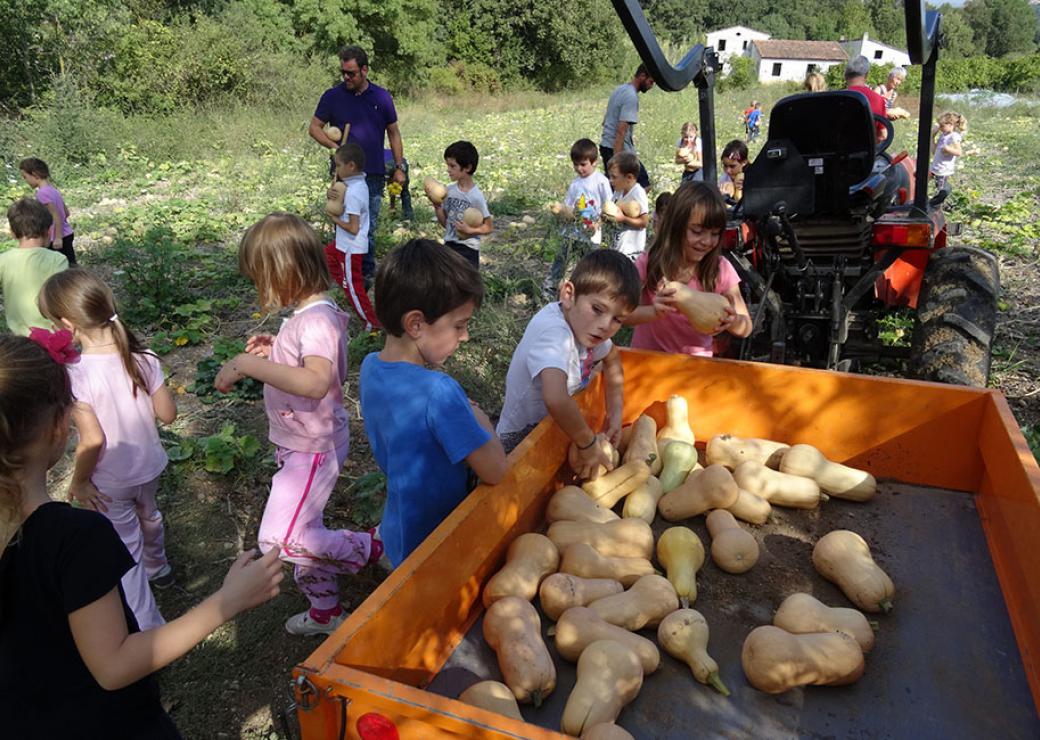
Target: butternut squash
x=334, y=133
x=679, y=459
x=435, y=190
x=725, y=449
x=512, y=629
x=571, y=503
x=580, y=626
x=677, y=428
x=562, y=591
x=472, y=217
x=642, y=502
x=631, y=208
x=779, y=489
x=802, y=614
x=624, y=538
x=833, y=478
x=680, y=551
x=684, y=635
x=732, y=549
x=751, y=508
x=493, y=696
x=646, y=603
x=775, y=661
x=843, y=558
x=608, y=489
x=643, y=444
x=711, y=488
x=334, y=205
x=704, y=311
x=609, y=677
x=610, y=210
x=606, y=731
x=626, y=439
x=583, y=560
x=530, y=558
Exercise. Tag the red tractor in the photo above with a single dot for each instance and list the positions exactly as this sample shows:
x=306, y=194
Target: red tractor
x=834, y=234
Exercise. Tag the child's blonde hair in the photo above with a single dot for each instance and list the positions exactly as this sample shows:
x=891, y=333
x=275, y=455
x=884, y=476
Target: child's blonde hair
x=283, y=256
x=692, y=199
x=959, y=122
x=34, y=395
x=83, y=299
x=687, y=128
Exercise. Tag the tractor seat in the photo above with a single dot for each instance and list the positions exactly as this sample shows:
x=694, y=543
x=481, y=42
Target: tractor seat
x=818, y=159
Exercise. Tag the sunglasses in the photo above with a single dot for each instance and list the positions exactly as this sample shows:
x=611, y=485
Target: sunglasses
x=350, y=74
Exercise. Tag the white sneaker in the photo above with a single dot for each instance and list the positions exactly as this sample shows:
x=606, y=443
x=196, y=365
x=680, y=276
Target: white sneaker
x=303, y=624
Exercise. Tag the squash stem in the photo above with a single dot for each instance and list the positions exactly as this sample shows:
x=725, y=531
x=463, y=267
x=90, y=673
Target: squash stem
x=552, y=630
x=874, y=625
x=684, y=602
x=716, y=683
x=536, y=698
x=886, y=605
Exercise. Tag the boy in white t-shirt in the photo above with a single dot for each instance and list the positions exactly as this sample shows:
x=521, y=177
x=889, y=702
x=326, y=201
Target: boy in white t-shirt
x=563, y=345
x=623, y=170
x=344, y=256
x=587, y=193
x=461, y=159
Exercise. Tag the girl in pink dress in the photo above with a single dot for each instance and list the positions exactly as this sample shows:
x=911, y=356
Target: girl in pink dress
x=37, y=174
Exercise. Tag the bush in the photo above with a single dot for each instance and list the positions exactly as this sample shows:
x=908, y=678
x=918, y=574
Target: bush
x=741, y=74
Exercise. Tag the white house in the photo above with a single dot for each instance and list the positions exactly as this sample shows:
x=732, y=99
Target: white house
x=876, y=52
x=733, y=40
x=790, y=61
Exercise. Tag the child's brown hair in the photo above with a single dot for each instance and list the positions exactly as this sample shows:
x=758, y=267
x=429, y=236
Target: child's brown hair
x=610, y=272
x=351, y=154
x=29, y=219
x=626, y=163
x=698, y=201
x=283, y=256
x=584, y=149
x=35, y=167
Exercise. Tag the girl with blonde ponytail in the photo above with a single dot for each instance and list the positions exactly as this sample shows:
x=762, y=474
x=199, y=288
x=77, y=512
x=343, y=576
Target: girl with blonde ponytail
x=119, y=390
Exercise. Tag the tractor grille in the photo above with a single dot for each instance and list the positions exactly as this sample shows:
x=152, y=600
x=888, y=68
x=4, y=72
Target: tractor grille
x=820, y=238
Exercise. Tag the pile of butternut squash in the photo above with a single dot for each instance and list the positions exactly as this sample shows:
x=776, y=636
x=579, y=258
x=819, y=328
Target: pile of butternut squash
x=594, y=574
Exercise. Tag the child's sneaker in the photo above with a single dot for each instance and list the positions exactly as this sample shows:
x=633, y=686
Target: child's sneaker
x=163, y=578
x=304, y=624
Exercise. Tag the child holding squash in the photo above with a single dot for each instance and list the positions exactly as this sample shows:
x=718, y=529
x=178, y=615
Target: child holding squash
x=563, y=344
x=684, y=264
x=303, y=369
x=424, y=432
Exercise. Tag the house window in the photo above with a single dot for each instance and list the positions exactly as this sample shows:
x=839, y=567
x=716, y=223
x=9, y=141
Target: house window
x=722, y=45
x=877, y=54
x=776, y=69
x=745, y=46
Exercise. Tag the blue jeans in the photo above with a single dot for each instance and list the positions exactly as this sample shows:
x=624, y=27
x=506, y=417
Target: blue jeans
x=375, y=201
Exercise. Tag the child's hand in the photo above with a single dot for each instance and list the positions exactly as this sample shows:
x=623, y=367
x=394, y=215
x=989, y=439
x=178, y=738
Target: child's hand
x=260, y=345
x=664, y=301
x=88, y=496
x=333, y=194
x=464, y=229
x=228, y=375
x=727, y=321
x=598, y=456
x=612, y=427
x=250, y=582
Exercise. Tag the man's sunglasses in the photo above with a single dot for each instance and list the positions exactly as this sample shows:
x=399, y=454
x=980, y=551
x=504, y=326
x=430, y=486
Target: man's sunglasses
x=350, y=74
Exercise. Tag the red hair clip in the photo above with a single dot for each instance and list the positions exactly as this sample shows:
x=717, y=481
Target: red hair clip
x=57, y=343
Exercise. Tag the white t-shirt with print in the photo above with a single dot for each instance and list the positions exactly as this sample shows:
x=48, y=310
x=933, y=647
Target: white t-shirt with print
x=586, y=195
x=455, y=204
x=632, y=241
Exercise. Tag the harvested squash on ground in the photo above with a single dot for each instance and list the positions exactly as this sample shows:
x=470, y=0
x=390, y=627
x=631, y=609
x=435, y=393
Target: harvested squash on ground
x=802, y=614
x=711, y=488
x=609, y=677
x=572, y=504
x=642, y=502
x=725, y=449
x=775, y=661
x=643, y=444
x=530, y=558
x=679, y=459
x=608, y=489
x=750, y=508
x=493, y=696
x=579, y=627
x=680, y=551
x=833, y=478
x=562, y=591
x=513, y=630
x=625, y=538
x=684, y=635
x=779, y=489
x=732, y=549
x=843, y=558
x=645, y=604
x=677, y=428
x=583, y=560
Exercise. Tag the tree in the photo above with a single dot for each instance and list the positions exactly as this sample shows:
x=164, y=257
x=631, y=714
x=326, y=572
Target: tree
x=1002, y=27
x=676, y=21
x=960, y=42
x=888, y=21
x=853, y=21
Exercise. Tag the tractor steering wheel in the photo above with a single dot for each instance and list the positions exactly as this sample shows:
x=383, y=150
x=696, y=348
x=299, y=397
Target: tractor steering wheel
x=890, y=134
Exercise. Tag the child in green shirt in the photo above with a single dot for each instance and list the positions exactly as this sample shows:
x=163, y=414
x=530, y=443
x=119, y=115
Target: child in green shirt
x=23, y=270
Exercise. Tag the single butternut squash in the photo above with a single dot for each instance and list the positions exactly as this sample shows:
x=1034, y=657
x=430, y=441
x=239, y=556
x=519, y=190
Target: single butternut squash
x=833, y=478
x=704, y=311
x=472, y=217
x=779, y=489
x=493, y=696
x=679, y=459
x=435, y=190
x=606, y=731
x=512, y=629
x=725, y=449
x=732, y=549
x=608, y=489
x=579, y=626
x=646, y=603
x=680, y=551
x=334, y=204
x=751, y=508
x=572, y=504
x=609, y=677
x=843, y=558
x=583, y=560
x=711, y=488
x=530, y=558
x=643, y=444
x=802, y=614
x=562, y=591
x=642, y=502
x=775, y=661
x=624, y=538
x=677, y=429
x=684, y=635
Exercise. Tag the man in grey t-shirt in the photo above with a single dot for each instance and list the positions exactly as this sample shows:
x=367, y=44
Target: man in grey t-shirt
x=622, y=114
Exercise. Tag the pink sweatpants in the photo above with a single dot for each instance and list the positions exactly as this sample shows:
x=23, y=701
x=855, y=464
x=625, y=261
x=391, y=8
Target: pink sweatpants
x=139, y=524
x=293, y=520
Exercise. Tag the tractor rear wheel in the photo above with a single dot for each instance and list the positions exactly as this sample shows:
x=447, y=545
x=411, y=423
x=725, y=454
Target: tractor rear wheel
x=956, y=317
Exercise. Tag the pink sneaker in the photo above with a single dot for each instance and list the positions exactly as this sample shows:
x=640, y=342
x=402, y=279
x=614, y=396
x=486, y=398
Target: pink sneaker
x=377, y=547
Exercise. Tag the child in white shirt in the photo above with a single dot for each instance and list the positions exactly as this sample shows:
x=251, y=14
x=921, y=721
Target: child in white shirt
x=947, y=147
x=461, y=159
x=623, y=170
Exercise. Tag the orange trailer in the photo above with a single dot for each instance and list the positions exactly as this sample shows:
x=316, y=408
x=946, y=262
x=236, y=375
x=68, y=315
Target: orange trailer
x=383, y=658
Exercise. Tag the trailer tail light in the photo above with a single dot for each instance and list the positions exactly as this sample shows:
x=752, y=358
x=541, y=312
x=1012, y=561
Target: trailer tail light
x=372, y=726
x=903, y=234
x=731, y=237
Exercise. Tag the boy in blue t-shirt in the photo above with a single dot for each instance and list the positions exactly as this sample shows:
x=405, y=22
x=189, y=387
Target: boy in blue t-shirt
x=424, y=432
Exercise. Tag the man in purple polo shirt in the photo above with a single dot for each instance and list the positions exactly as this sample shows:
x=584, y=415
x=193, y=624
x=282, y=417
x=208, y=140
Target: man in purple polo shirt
x=368, y=110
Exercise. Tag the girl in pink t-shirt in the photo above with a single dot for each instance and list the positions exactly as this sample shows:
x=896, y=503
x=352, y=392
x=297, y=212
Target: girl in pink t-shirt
x=119, y=390
x=303, y=369
x=37, y=174
x=688, y=250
